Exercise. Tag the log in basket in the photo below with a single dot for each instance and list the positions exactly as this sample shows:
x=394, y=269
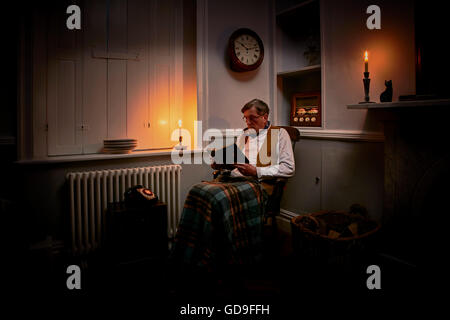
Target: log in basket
x=333, y=236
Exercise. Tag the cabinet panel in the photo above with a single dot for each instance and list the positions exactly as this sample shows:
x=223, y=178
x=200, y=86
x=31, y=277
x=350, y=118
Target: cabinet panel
x=63, y=87
x=160, y=107
x=117, y=70
x=64, y=136
x=351, y=174
x=162, y=72
x=94, y=77
x=137, y=73
x=117, y=99
x=303, y=191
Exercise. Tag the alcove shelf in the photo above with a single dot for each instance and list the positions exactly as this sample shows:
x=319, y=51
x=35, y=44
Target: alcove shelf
x=299, y=72
x=298, y=65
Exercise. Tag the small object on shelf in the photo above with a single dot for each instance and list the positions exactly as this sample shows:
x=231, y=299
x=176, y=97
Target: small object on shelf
x=180, y=139
x=306, y=107
x=386, y=95
x=119, y=145
x=313, y=53
x=366, y=82
x=366, y=79
x=366, y=61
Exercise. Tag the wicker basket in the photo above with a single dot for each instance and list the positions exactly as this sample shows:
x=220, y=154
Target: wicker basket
x=332, y=237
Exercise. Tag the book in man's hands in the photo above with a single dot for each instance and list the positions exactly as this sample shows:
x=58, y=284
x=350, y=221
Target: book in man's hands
x=229, y=155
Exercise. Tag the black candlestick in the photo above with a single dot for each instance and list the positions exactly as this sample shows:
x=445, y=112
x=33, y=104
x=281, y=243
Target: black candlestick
x=366, y=82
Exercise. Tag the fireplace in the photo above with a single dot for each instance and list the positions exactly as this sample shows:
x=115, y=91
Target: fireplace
x=416, y=177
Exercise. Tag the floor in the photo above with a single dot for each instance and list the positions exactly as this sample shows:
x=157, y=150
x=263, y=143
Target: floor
x=286, y=281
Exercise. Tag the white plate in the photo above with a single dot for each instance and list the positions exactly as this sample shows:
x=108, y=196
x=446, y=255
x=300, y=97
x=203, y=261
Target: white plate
x=119, y=140
x=120, y=144
x=119, y=148
x=116, y=151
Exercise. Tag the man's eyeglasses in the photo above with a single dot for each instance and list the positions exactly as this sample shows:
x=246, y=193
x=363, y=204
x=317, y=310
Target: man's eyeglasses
x=251, y=118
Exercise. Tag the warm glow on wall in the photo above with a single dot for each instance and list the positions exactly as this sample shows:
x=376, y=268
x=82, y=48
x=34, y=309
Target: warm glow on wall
x=154, y=111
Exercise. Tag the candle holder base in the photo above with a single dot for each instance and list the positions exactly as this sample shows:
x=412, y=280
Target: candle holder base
x=362, y=102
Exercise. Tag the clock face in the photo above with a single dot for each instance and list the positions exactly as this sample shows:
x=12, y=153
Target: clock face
x=247, y=49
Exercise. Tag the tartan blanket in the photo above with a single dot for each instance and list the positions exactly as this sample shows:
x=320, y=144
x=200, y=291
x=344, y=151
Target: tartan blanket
x=221, y=222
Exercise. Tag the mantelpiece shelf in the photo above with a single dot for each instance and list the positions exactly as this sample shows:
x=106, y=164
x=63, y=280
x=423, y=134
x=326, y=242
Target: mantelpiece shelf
x=402, y=104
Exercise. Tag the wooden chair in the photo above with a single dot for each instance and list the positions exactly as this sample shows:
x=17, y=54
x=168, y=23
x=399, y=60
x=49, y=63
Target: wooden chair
x=273, y=204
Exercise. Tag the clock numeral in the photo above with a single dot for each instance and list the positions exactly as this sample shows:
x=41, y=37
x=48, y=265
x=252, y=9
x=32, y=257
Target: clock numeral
x=238, y=53
x=255, y=56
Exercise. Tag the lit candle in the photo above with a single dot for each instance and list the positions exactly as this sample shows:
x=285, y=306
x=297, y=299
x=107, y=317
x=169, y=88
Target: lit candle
x=366, y=62
x=179, y=126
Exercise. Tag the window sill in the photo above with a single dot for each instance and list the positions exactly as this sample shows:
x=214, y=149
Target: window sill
x=103, y=156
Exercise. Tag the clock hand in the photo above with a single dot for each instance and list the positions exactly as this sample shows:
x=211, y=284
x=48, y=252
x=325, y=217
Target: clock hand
x=242, y=44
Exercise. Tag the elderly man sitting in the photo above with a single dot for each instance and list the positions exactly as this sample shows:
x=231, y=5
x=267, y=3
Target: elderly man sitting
x=222, y=220
x=267, y=160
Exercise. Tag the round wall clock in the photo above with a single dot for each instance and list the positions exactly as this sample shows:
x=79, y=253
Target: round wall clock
x=246, y=50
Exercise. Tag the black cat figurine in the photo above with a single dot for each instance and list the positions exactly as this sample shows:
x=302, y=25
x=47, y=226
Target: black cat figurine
x=386, y=95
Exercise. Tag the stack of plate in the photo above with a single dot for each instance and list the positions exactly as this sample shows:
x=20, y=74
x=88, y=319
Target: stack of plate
x=119, y=145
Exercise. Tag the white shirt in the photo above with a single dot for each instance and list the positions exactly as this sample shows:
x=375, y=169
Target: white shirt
x=285, y=164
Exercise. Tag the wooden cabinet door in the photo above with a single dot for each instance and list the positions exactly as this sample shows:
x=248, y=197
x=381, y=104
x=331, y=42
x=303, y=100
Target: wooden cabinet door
x=303, y=191
x=119, y=76
x=117, y=69
x=138, y=124
x=164, y=74
x=63, y=85
x=95, y=107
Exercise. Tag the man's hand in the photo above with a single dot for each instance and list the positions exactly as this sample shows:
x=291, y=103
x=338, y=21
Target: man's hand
x=246, y=169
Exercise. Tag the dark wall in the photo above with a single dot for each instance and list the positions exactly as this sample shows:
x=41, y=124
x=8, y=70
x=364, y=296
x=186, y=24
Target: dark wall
x=432, y=57
x=9, y=30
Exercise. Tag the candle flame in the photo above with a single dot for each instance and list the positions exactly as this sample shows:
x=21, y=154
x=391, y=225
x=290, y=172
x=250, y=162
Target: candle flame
x=366, y=57
x=179, y=123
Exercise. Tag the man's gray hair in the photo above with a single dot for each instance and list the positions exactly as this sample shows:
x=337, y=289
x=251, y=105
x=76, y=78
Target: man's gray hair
x=261, y=107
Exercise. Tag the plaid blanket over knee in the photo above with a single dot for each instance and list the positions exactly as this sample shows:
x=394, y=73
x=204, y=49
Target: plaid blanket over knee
x=221, y=222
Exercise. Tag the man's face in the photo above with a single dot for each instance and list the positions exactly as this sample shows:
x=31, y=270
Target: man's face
x=254, y=120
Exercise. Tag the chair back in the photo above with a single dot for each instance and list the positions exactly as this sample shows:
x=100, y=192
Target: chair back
x=275, y=197
x=294, y=134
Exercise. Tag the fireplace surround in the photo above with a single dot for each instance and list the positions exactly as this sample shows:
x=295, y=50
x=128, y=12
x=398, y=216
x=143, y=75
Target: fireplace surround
x=416, y=177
